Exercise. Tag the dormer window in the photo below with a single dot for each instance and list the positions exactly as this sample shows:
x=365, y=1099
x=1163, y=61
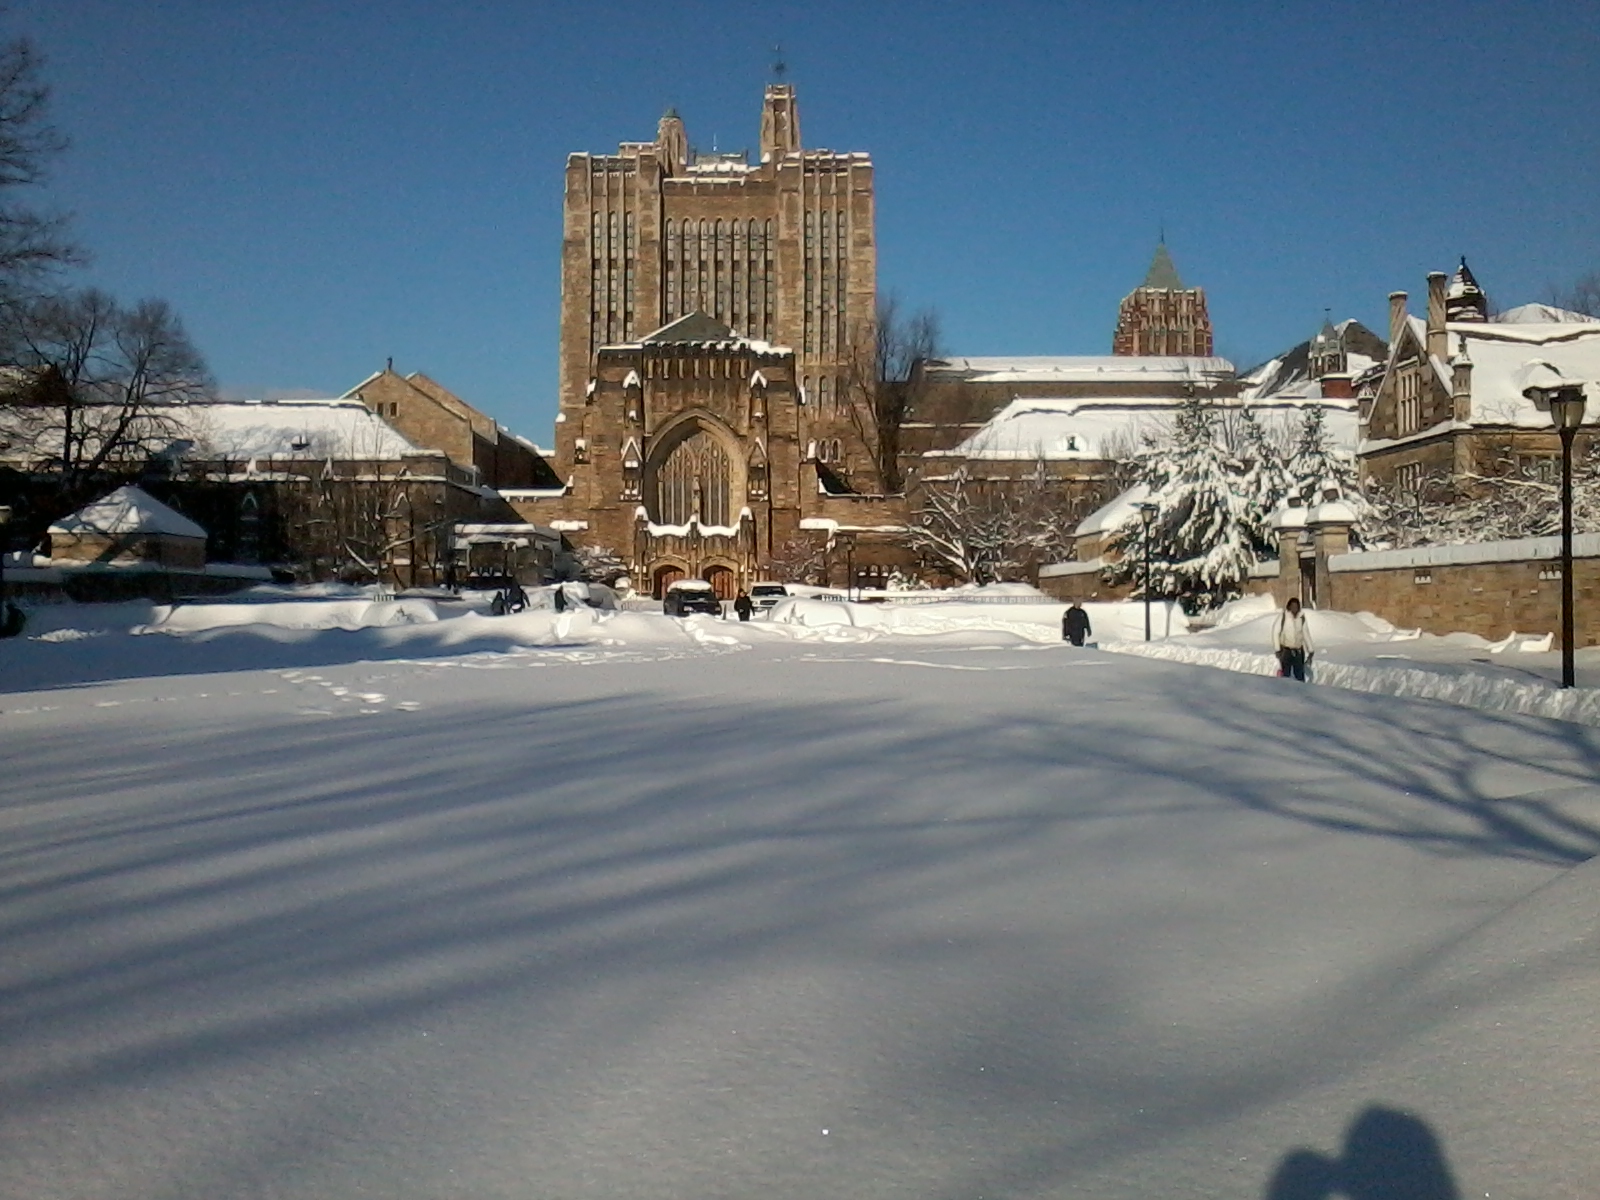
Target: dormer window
x=299, y=442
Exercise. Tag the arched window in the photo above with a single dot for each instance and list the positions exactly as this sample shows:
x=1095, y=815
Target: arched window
x=694, y=480
x=824, y=394
x=838, y=451
x=805, y=390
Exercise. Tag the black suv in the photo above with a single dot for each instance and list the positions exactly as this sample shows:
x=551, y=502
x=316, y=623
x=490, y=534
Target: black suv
x=691, y=596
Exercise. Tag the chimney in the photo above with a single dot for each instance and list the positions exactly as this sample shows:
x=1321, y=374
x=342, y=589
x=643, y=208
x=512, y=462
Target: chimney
x=1337, y=386
x=1438, y=344
x=1397, y=316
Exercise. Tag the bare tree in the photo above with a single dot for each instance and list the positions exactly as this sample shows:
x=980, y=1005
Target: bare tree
x=32, y=243
x=882, y=382
x=94, y=389
x=1583, y=296
x=600, y=564
x=1445, y=509
x=799, y=560
x=983, y=531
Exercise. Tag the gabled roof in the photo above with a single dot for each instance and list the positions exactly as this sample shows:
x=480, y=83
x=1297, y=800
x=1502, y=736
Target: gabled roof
x=691, y=327
x=1162, y=274
x=128, y=510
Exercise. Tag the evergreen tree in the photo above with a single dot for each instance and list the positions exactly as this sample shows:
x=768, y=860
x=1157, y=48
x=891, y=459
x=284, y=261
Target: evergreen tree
x=1203, y=536
x=1265, y=481
x=1316, y=465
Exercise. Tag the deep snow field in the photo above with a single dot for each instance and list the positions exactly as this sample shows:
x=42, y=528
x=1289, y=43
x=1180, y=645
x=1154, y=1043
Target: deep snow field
x=341, y=897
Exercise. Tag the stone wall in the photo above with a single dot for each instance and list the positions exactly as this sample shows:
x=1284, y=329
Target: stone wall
x=1492, y=589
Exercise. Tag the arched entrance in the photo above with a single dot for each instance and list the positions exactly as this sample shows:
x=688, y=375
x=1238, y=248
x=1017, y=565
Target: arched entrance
x=665, y=577
x=723, y=580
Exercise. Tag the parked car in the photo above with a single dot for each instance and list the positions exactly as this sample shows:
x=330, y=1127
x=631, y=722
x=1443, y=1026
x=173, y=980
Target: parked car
x=685, y=596
x=766, y=595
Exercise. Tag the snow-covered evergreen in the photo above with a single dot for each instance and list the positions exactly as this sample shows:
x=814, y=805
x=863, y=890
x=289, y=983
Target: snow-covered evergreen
x=1264, y=479
x=1205, y=534
x=1316, y=466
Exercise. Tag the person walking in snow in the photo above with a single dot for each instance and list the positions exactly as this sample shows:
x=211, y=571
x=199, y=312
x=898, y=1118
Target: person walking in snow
x=1291, y=641
x=1075, y=624
x=743, y=605
x=558, y=599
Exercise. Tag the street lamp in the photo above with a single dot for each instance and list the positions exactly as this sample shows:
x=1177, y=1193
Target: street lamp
x=1566, y=402
x=1147, y=513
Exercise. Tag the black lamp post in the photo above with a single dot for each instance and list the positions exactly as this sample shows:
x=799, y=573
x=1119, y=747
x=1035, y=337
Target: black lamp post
x=1566, y=401
x=1147, y=513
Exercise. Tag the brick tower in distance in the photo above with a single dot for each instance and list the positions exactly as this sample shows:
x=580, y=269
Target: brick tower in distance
x=1161, y=316
x=779, y=250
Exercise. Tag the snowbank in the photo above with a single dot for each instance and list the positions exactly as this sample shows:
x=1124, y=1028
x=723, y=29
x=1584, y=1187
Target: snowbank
x=1461, y=685
x=346, y=614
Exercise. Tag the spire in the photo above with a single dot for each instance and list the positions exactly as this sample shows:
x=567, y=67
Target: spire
x=1464, y=299
x=1162, y=273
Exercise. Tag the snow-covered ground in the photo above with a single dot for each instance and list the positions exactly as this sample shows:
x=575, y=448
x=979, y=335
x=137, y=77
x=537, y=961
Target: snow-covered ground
x=394, y=898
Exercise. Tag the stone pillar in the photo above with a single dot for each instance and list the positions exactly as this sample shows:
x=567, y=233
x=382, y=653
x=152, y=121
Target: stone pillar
x=1289, y=522
x=1329, y=524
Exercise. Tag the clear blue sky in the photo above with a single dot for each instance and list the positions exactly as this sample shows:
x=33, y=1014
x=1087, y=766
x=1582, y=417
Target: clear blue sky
x=319, y=185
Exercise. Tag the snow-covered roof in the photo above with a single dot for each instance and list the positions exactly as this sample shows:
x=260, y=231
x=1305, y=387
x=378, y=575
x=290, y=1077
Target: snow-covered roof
x=296, y=429
x=1109, y=368
x=1502, y=357
x=1115, y=513
x=1093, y=428
x=1543, y=314
x=128, y=510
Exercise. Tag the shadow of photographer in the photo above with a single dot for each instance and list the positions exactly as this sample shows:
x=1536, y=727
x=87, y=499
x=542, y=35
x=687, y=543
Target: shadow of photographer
x=1388, y=1155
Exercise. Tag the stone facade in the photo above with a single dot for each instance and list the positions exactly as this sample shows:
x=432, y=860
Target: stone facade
x=780, y=250
x=1161, y=316
x=430, y=415
x=1448, y=402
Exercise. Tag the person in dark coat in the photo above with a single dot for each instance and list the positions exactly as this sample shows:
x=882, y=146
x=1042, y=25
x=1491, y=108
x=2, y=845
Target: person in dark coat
x=743, y=605
x=1075, y=624
x=558, y=598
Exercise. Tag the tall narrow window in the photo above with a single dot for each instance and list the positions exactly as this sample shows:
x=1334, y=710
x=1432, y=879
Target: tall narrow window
x=841, y=268
x=629, y=251
x=702, y=299
x=670, y=301
x=768, y=290
x=808, y=302
x=721, y=292
x=736, y=307
x=824, y=396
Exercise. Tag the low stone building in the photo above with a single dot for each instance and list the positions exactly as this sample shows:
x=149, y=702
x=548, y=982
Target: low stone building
x=129, y=526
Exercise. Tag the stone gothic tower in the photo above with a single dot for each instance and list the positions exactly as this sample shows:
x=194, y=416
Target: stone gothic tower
x=780, y=250
x=1161, y=316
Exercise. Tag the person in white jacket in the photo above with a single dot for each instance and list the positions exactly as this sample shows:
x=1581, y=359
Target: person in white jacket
x=1291, y=640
